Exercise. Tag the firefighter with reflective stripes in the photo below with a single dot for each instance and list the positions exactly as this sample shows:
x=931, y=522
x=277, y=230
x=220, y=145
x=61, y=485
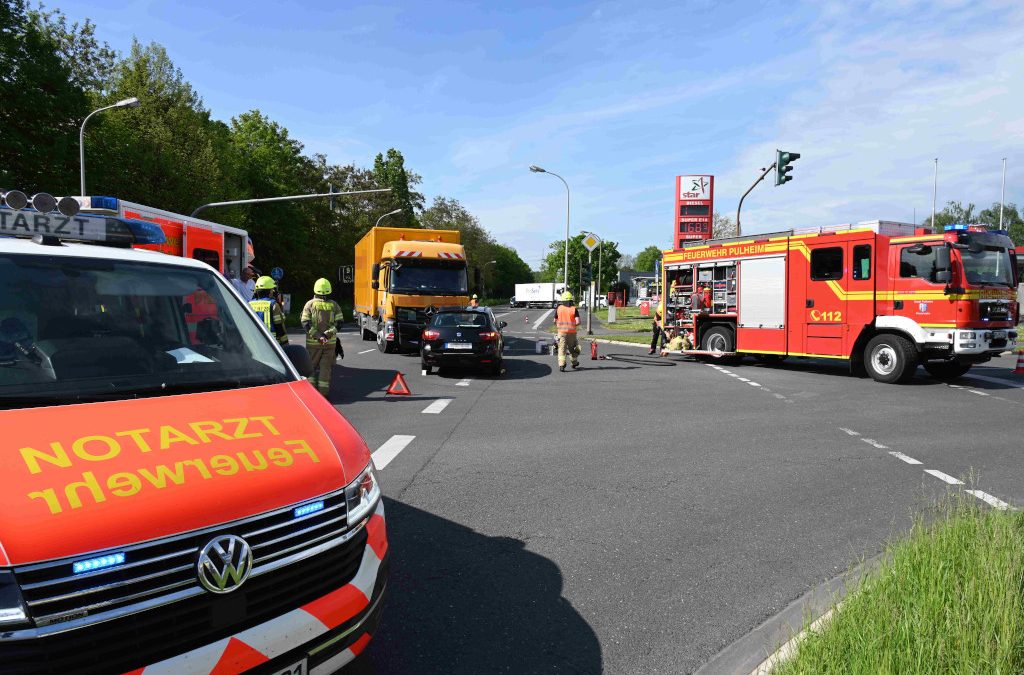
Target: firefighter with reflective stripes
x=567, y=317
x=268, y=309
x=321, y=319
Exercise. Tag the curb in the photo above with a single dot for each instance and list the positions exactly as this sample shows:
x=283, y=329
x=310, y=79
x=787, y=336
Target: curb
x=760, y=650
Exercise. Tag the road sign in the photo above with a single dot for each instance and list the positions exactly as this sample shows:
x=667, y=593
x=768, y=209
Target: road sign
x=348, y=274
x=695, y=207
x=591, y=242
x=277, y=274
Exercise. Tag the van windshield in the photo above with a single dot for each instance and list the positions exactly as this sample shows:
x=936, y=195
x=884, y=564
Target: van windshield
x=84, y=329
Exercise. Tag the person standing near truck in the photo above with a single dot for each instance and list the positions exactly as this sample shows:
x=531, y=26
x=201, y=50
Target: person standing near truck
x=321, y=319
x=567, y=317
x=268, y=309
x=658, y=328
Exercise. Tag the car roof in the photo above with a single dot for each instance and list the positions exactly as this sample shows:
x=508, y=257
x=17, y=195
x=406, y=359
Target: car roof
x=457, y=308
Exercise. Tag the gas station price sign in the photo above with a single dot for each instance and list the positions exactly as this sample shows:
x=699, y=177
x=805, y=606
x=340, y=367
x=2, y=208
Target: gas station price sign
x=695, y=206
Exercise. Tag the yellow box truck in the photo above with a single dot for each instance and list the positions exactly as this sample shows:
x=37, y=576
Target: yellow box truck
x=402, y=275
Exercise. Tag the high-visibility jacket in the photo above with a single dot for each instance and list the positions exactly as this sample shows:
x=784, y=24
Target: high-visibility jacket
x=321, y=315
x=272, y=316
x=565, y=319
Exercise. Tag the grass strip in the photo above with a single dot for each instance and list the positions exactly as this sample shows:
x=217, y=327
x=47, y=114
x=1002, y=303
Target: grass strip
x=949, y=598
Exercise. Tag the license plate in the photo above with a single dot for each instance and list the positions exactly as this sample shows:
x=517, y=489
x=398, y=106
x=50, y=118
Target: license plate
x=999, y=335
x=298, y=668
x=457, y=345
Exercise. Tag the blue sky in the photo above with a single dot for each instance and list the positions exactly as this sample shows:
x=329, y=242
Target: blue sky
x=620, y=97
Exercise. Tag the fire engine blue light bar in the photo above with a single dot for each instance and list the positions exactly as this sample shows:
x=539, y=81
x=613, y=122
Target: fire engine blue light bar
x=109, y=203
x=957, y=228
x=92, y=564
x=307, y=509
x=145, y=232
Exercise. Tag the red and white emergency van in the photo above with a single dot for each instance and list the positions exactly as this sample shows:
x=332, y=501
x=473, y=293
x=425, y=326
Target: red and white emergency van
x=222, y=247
x=174, y=496
x=884, y=295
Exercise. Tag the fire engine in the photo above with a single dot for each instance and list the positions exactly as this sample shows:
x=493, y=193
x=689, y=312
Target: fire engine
x=885, y=296
x=226, y=249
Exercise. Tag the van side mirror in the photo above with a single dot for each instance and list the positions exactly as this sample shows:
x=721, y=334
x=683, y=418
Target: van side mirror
x=375, y=272
x=299, y=357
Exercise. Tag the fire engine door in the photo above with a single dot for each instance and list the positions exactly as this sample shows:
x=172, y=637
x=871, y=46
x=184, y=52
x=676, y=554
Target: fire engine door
x=824, y=306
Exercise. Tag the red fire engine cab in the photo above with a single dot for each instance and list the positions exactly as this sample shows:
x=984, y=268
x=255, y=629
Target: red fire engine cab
x=885, y=296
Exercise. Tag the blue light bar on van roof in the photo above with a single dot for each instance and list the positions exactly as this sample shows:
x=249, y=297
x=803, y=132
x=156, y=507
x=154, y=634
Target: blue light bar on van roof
x=109, y=203
x=102, y=562
x=82, y=227
x=307, y=509
x=959, y=227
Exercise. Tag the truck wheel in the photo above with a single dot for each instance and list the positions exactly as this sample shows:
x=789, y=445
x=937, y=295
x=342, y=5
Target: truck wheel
x=383, y=346
x=947, y=370
x=718, y=339
x=890, y=359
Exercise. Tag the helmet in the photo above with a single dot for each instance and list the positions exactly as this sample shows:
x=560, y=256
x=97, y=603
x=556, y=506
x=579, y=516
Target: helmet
x=266, y=284
x=567, y=297
x=474, y=296
x=322, y=287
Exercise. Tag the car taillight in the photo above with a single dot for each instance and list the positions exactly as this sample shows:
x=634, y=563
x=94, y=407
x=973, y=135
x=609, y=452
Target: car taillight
x=431, y=334
x=488, y=336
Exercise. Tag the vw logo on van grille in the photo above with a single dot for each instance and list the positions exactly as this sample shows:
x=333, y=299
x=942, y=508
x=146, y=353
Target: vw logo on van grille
x=224, y=564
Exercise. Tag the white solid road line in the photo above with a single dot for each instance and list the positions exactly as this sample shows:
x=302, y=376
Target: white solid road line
x=463, y=382
x=944, y=477
x=366, y=351
x=544, y=316
x=383, y=455
x=989, y=499
x=498, y=316
x=437, y=406
x=905, y=458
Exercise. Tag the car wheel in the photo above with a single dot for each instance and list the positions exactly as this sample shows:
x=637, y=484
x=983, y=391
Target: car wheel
x=947, y=370
x=890, y=359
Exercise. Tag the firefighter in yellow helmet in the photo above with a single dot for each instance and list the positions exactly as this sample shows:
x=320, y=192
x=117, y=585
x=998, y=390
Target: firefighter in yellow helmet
x=567, y=317
x=268, y=309
x=321, y=319
x=474, y=301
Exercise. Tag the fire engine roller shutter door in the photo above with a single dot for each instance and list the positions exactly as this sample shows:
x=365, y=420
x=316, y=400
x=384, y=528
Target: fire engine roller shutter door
x=762, y=305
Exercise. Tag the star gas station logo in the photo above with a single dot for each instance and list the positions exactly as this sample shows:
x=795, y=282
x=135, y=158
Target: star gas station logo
x=694, y=208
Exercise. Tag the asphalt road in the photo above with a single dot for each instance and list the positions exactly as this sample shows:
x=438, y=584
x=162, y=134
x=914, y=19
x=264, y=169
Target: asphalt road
x=640, y=514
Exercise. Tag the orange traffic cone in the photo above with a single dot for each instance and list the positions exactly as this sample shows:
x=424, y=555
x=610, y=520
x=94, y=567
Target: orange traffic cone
x=1019, y=370
x=399, y=387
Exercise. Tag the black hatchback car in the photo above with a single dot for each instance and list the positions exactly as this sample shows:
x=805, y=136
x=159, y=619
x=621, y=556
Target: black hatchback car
x=463, y=336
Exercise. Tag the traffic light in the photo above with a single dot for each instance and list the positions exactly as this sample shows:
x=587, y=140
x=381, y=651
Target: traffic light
x=782, y=165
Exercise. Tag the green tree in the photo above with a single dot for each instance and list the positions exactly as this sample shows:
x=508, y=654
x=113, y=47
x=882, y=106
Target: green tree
x=389, y=170
x=1012, y=220
x=646, y=259
x=954, y=212
x=90, y=60
x=551, y=268
x=507, y=272
x=722, y=227
x=449, y=214
x=42, y=107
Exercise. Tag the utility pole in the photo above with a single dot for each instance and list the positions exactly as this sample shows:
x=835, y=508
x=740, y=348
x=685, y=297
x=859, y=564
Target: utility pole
x=1002, y=195
x=935, y=191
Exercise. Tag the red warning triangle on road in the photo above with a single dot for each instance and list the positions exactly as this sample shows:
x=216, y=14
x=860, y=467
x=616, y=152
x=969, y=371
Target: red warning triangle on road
x=399, y=387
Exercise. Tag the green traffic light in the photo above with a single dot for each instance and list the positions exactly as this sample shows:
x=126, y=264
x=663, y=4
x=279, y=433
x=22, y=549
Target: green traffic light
x=782, y=168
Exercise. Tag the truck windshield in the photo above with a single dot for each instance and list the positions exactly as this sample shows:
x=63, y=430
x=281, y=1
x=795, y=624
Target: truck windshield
x=83, y=329
x=992, y=265
x=429, y=278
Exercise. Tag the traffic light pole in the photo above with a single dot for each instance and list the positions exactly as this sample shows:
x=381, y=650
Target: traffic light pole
x=766, y=172
x=330, y=195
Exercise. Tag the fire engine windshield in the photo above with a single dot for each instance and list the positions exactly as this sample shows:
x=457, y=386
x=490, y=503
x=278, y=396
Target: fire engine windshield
x=991, y=265
x=84, y=329
x=429, y=277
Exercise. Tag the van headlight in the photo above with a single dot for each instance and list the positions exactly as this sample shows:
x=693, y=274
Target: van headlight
x=362, y=495
x=12, y=609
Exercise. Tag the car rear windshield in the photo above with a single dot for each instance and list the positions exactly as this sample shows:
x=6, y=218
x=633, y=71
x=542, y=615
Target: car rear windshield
x=82, y=329
x=460, y=320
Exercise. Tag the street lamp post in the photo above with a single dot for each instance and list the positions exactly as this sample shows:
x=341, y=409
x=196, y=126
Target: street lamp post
x=389, y=213
x=123, y=103
x=536, y=169
x=483, y=276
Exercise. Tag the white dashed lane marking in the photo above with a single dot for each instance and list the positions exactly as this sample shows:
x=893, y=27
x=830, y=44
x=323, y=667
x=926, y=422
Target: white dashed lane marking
x=437, y=406
x=902, y=457
x=874, y=443
x=989, y=499
x=383, y=455
x=366, y=351
x=945, y=477
x=849, y=431
x=463, y=382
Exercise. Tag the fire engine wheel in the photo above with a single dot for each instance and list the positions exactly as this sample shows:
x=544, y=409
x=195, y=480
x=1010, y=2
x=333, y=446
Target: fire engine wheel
x=890, y=359
x=383, y=346
x=947, y=370
x=718, y=339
